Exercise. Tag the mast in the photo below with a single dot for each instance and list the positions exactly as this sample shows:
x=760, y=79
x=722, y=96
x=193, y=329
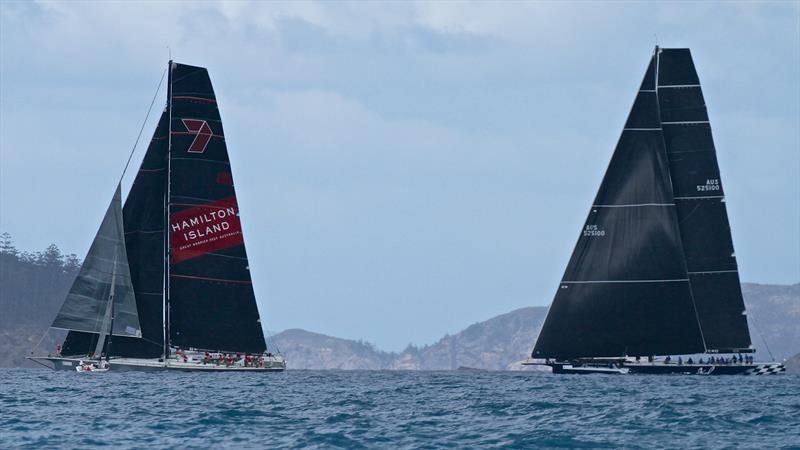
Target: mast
x=167, y=212
x=111, y=327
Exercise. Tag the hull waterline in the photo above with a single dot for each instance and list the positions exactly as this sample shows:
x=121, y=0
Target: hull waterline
x=154, y=365
x=659, y=368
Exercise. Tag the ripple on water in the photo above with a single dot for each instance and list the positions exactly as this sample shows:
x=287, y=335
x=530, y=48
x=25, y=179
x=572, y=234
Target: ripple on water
x=301, y=409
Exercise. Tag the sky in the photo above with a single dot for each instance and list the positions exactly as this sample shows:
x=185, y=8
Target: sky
x=403, y=169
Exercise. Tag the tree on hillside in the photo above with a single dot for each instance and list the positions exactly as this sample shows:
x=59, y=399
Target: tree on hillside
x=7, y=245
x=51, y=257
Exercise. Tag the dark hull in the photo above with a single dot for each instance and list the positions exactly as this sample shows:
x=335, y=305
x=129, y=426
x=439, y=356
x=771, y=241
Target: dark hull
x=585, y=368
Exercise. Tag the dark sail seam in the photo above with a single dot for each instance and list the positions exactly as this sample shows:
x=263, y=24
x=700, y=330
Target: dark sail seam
x=685, y=122
x=679, y=152
x=144, y=231
x=642, y=129
x=94, y=332
x=227, y=256
x=198, y=206
x=699, y=197
x=194, y=134
x=221, y=280
x=633, y=206
x=680, y=86
x=714, y=271
x=193, y=198
x=189, y=97
x=626, y=281
x=189, y=74
x=100, y=258
x=202, y=159
x=194, y=93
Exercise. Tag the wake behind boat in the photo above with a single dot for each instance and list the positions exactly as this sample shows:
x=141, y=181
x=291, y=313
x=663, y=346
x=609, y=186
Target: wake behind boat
x=654, y=270
x=166, y=283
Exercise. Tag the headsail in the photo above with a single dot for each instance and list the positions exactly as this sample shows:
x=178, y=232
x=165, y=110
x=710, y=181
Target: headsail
x=626, y=290
x=88, y=306
x=211, y=300
x=700, y=202
x=143, y=217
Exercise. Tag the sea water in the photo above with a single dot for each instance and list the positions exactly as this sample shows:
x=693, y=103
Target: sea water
x=374, y=409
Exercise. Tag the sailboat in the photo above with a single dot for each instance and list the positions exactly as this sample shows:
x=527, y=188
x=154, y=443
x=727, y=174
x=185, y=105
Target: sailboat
x=653, y=274
x=166, y=284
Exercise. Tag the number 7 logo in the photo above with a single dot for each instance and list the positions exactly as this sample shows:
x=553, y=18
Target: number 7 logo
x=202, y=133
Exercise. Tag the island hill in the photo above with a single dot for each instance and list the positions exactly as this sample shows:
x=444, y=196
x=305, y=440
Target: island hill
x=33, y=285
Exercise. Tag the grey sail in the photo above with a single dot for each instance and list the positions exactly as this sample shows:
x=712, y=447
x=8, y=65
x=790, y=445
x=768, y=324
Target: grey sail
x=104, y=276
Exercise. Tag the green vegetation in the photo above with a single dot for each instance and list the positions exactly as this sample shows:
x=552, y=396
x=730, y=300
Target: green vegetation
x=32, y=286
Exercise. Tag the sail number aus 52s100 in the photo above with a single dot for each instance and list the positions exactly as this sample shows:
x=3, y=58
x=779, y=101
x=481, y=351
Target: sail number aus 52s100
x=712, y=184
x=593, y=231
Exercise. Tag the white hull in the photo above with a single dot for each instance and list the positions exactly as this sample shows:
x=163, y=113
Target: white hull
x=273, y=364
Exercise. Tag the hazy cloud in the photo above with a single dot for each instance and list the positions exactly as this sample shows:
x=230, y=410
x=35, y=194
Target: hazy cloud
x=404, y=168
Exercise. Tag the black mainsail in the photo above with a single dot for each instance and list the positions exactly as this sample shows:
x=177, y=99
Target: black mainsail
x=654, y=272
x=626, y=289
x=185, y=175
x=211, y=300
x=700, y=202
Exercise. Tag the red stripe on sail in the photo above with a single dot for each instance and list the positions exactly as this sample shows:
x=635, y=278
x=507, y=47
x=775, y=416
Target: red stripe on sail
x=188, y=97
x=220, y=280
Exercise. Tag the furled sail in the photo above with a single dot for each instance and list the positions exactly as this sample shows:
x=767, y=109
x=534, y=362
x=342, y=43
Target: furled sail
x=626, y=290
x=211, y=300
x=700, y=202
x=143, y=217
x=104, y=275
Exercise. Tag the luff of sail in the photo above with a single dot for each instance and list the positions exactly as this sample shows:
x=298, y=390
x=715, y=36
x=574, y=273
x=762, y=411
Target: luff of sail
x=143, y=216
x=700, y=202
x=88, y=306
x=211, y=300
x=626, y=289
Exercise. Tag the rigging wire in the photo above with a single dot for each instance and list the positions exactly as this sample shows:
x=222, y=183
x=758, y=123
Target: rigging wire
x=758, y=330
x=271, y=338
x=144, y=123
x=46, y=332
x=124, y=170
